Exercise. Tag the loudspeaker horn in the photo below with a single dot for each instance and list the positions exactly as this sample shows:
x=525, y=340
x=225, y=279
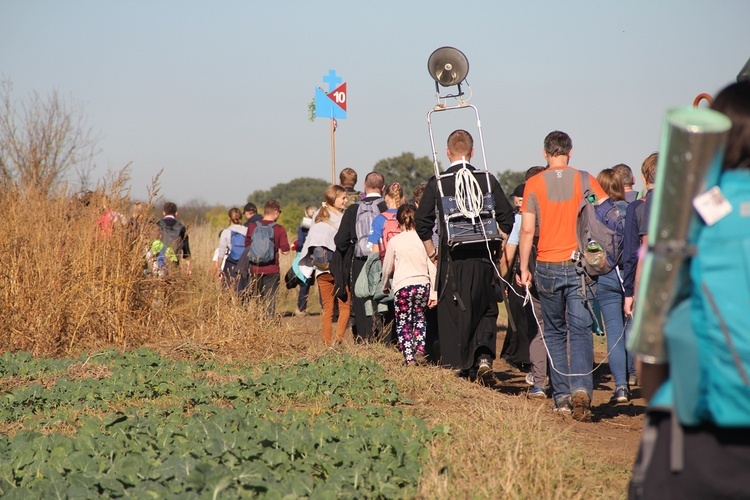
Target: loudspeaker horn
x=448, y=66
x=744, y=74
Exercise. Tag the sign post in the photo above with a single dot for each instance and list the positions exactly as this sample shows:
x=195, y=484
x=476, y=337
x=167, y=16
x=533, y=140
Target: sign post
x=332, y=105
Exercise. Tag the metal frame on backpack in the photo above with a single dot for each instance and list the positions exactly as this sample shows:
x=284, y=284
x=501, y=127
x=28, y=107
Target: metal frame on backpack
x=459, y=230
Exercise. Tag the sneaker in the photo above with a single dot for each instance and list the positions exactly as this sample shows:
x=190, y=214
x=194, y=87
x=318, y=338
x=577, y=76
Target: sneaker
x=581, y=406
x=484, y=370
x=420, y=358
x=563, y=405
x=537, y=393
x=299, y=313
x=621, y=395
x=633, y=380
x=530, y=379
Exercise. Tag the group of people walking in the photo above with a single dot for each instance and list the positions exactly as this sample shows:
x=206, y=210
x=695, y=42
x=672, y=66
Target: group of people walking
x=394, y=271
x=387, y=267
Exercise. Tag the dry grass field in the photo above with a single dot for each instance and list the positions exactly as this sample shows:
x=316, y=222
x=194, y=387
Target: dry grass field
x=66, y=289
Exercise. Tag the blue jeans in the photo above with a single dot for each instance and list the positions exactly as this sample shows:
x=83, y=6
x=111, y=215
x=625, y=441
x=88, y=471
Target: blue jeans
x=567, y=327
x=304, y=292
x=610, y=296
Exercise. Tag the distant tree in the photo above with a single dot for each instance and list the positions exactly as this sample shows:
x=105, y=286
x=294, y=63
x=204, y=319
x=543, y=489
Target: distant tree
x=217, y=217
x=407, y=170
x=302, y=191
x=42, y=140
x=509, y=180
x=194, y=211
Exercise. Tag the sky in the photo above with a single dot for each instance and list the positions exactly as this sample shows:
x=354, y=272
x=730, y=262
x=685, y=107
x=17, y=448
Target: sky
x=215, y=94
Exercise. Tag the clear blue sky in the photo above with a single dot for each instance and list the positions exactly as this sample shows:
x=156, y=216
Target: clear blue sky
x=216, y=93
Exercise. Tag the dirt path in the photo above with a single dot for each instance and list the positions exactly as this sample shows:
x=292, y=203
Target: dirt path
x=615, y=431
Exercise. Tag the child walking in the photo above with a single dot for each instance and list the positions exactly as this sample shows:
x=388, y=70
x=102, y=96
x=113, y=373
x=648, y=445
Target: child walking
x=411, y=275
x=159, y=256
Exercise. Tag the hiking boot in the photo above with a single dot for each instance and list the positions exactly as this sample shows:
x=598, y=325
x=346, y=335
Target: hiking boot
x=581, y=406
x=530, y=379
x=537, y=393
x=621, y=395
x=484, y=370
x=563, y=405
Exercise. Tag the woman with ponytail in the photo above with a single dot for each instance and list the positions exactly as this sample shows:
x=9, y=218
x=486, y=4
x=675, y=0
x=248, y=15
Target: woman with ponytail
x=320, y=245
x=231, y=247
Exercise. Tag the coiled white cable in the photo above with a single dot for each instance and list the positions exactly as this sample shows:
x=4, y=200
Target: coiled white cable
x=469, y=195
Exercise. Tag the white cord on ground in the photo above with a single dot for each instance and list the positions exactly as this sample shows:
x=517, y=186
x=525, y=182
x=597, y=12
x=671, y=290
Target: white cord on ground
x=549, y=357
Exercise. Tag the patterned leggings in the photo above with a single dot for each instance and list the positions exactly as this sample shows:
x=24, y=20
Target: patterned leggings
x=410, y=304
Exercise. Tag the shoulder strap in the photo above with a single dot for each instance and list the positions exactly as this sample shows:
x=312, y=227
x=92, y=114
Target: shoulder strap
x=585, y=185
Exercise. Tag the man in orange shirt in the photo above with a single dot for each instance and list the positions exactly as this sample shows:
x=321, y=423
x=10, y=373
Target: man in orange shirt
x=553, y=197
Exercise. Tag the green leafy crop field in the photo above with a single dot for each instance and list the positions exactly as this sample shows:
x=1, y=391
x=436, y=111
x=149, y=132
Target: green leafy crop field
x=139, y=425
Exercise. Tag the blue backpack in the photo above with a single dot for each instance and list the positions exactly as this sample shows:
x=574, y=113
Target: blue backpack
x=237, y=248
x=612, y=214
x=708, y=335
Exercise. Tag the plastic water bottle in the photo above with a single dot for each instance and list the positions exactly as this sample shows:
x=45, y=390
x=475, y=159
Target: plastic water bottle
x=596, y=256
x=594, y=246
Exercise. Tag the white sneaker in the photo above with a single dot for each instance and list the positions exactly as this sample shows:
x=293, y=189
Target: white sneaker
x=484, y=370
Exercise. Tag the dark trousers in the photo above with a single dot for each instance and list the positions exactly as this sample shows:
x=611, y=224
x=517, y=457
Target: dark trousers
x=715, y=461
x=265, y=287
x=304, y=292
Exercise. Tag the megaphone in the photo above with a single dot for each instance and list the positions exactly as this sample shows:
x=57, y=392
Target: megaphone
x=448, y=66
x=744, y=74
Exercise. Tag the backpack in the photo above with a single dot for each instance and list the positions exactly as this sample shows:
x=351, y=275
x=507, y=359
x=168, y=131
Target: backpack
x=708, y=335
x=595, y=239
x=321, y=258
x=171, y=235
x=262, y=249
x=390, y=229
x=367, y=210
x=614, y=219
x=237, y=248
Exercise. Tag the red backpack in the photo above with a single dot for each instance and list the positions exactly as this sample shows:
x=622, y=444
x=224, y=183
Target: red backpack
x=390, y=229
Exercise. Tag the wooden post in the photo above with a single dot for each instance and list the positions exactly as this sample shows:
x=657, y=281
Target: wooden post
x=333, y=152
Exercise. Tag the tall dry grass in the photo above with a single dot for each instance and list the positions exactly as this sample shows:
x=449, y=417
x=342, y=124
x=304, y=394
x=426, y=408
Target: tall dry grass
x=66, y=285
